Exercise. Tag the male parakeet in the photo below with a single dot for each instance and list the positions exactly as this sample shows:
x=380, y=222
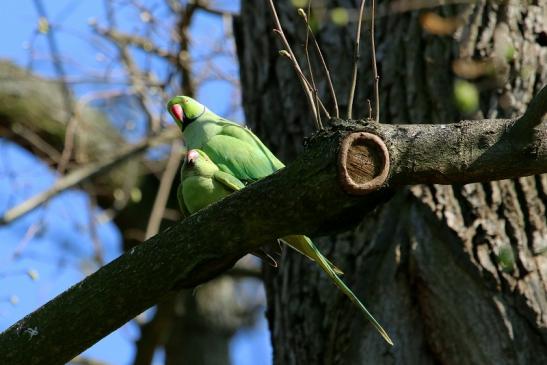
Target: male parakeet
x=234, y=151
x=233, y=148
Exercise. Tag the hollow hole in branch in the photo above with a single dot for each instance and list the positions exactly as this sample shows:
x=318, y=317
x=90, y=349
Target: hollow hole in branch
x=363, y=163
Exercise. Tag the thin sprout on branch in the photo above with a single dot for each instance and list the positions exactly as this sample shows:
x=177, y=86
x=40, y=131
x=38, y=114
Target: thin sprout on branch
x=356, y=56
x=305, y=81
x=315, y=93
x=323, y=62
x=288, y=50
x=355, y=61
x=374, y=67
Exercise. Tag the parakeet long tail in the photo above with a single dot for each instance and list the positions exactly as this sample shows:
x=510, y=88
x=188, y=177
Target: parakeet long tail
x=313, y=253
x=304, y=245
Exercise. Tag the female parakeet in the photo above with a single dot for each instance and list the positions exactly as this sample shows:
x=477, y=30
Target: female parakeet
x=233, y=148
x=202, y=183
x=236, y=151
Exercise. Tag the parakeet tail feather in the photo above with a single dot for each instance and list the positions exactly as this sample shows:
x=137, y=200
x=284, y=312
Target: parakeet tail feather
x=316, y=255
x=302, y=245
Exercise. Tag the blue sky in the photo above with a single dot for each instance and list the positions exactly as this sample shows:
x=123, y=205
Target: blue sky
x=53, y=244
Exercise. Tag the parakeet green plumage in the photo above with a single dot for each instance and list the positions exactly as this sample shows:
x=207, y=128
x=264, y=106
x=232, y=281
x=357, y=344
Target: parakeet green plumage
x=202, y=183
x=236, y=152
x=233, y=148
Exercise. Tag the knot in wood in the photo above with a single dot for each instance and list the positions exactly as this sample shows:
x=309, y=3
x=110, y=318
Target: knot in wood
x=363, y=163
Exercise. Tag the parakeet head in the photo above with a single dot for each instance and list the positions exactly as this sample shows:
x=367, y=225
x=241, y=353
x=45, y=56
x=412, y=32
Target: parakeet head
x=184, y=110
x=197, y=163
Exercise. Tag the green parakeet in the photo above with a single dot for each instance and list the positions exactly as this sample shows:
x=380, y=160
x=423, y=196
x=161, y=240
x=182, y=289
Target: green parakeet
x=202, y=183
x=236, y=152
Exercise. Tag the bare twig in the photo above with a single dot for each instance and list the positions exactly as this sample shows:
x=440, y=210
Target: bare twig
x=70, y=133
x=355, y=61
x=305, y=84
x=98, y=254
x=34, y=229
x=38, y=142
x=374, y=67
x=67, y=93
x=315, y=93
x=284, y=53
x=134, y=73
x=85, y=173
x=140, y=42
x=184, y=61
x=166, y=183
x=323, y=108
x=325, y=67
x=213, y=11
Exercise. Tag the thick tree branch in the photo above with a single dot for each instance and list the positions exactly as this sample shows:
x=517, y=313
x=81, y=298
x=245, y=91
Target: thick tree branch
x=466, y=152
x=196, y=250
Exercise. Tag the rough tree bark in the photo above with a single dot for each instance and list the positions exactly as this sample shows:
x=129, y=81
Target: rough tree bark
x=426, y=262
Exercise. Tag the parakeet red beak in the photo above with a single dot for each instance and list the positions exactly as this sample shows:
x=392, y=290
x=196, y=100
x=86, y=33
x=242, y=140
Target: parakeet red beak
x=177, y=112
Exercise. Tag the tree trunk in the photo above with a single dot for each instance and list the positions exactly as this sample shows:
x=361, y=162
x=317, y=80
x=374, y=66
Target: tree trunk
x=456, y=274
x=193, y=339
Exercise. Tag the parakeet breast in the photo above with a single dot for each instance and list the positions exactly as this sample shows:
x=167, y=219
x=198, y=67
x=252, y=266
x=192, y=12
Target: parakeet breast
x=199, y=132
x=199, y=192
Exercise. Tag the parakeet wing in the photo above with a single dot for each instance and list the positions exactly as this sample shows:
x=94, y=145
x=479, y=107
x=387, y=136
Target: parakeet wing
x=237, y=151
x=182, y=205
x=237, y=158
x=268, y=253
x=246, y=135
x=229, y=181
